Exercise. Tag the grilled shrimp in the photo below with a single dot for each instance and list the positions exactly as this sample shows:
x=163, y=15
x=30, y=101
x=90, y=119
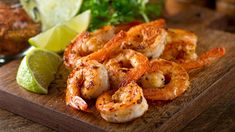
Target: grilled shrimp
x=175, y=78
x=87, y=43
x=181, y=45
x=126, y=104
x=181, y=48
x=112, y=47
x=127, y=66
x=204, y=59
x=86, y=81
x=148, y=38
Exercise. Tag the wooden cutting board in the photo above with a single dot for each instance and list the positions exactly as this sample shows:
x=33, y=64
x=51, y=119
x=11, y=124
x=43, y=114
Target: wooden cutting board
x=207, y=85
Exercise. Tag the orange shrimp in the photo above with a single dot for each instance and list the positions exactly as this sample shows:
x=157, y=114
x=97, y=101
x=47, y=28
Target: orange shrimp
x=86, y=81
x=176, y=80
x=127, y=66
x=110, y=48
x=87, y=43
x=204, y=59
x=147, y=38
x=126, y=104
x=181, y=45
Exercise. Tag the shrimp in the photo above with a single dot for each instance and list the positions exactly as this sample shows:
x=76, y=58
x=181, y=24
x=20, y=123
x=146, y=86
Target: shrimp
x=111, y=47
x=204, y=59
x=148, y=38
x=126, y=104
x=127, y=66
x=87, y=43
x=181, y=46
x=86, y=81
x=176, y=80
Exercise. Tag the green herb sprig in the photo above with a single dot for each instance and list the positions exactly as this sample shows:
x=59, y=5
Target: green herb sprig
x=107, y=12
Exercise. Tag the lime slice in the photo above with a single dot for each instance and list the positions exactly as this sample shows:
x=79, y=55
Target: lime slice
x=37, y=70
x=51, y=12
x=57, y=38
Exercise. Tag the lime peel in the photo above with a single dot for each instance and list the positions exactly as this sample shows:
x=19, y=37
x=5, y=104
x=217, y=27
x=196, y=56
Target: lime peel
x=37, y=70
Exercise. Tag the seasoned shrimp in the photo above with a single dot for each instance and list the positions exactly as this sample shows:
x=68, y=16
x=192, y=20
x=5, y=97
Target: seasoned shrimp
x=87, y=43
x=148, y=38
x=175, y=78
x=177, y=35
x=126, y=104
x=127, y=66
x=204, y=59
x=86, y=81
x=110, y=48
x=181, y=46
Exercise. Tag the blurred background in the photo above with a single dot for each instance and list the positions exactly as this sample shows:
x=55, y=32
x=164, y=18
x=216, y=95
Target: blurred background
x=226, y=7
x=179, y=13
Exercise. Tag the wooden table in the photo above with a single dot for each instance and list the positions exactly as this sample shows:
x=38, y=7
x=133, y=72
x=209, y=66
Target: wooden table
x=219, y=116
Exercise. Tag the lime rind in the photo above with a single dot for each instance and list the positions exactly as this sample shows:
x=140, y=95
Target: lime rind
x=25, y=79
x=37, y=70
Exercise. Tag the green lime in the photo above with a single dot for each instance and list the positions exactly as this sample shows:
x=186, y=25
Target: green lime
x=57, y=38
x=51, y=12
x=37, y=70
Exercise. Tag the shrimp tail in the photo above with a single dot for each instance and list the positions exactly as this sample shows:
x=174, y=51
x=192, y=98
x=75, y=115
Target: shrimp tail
x=79, y=103
x=204, y=59
x=110, y=48
x=135, y=74
x=211, y=55
x=75, y=101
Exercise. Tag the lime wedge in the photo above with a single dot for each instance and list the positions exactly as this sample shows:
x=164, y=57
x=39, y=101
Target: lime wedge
x=37, y=70
x=51, y=12
x=57, y=38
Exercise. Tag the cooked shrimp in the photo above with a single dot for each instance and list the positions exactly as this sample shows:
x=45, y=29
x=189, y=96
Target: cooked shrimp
x=176, y=80
x=126, y=104
x=148, y=38
x=155, y=79
x=87, y=43
x=127, y=66
x=86, y=81
x=204, y=59
x=110, y=48
x=177, y=35
x=181, y=46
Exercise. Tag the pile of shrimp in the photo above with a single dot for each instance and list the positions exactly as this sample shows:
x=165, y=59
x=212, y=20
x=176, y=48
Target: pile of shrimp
x=123, y=66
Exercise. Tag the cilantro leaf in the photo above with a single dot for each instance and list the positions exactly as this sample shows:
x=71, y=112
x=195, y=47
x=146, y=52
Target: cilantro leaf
x=106, y=12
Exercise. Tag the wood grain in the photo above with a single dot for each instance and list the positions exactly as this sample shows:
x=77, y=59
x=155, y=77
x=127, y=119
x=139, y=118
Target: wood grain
x=204, y=90
x=10, y=122
x=219, y=117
